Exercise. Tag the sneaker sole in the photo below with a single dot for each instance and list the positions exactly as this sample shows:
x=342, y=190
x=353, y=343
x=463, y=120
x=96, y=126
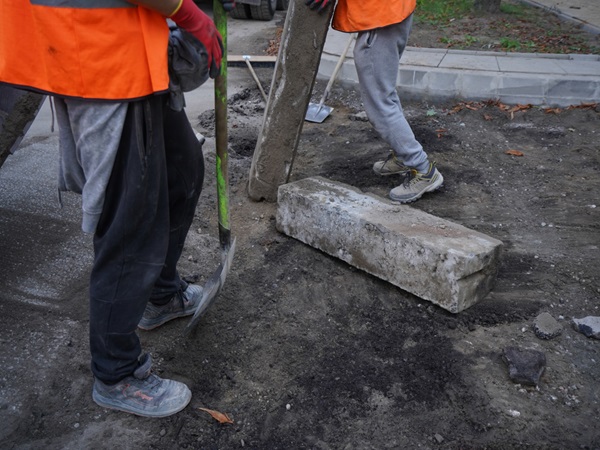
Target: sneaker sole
x=147, y=326
x=438, y=183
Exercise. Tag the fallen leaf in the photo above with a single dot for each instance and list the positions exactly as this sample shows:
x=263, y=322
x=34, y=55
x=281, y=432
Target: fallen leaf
x=457, y=108
x=584, y=106
x=552, y=110
x=488, y=117
x=520, y=107
x=514, y=152
x=219, y=416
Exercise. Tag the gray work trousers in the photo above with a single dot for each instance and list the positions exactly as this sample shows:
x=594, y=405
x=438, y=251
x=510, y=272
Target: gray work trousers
x=377, y=56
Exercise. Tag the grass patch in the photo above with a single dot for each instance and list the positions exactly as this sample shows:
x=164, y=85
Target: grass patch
x=438, y=12
x=511, y=8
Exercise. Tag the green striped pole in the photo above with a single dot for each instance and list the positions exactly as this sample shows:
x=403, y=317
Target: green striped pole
x=220, y=18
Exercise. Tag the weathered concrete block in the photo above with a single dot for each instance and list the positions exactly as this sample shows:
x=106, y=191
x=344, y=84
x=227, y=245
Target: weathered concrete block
x=433, y=258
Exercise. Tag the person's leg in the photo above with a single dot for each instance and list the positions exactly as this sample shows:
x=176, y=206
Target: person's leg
x=377, y=57
x=185, y=172
x=172, y=297
x=130, y=242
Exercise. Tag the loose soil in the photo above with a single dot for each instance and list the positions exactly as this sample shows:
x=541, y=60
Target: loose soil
x=526, y=30
x=303, y=351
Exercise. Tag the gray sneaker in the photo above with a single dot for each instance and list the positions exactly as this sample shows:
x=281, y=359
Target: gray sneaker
x=143, y=393
x=416, y=184
x=181, y=304
x=391, y=166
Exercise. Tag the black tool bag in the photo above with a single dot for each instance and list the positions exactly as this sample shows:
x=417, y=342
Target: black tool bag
x=188, y=65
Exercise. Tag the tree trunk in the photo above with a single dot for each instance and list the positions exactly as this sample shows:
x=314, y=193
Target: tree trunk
x=487, y=6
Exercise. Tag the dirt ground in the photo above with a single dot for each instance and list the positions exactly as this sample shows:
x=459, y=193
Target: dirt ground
x=518, y=28
x=303, y=351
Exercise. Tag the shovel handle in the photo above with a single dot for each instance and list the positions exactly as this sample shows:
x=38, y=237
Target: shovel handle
x=256, y=80
x=337, y=68
x=221, y=139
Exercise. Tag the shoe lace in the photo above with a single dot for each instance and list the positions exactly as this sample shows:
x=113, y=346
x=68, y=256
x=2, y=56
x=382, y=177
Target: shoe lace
x=182, y=298
x=411, y=178
x=144, y=373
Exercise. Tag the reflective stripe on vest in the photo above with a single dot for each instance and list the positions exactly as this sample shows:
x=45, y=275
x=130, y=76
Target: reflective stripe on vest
x=362, y=15
x=116, y=52
x=85, y=4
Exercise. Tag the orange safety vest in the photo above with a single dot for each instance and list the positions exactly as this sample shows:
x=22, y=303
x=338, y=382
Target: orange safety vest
x=362, y=15
x=93, y=49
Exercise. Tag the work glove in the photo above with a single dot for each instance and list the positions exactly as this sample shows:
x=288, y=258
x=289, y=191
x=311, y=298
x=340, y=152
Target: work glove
x=228, y=5
x=319, y=5
x=190, y=18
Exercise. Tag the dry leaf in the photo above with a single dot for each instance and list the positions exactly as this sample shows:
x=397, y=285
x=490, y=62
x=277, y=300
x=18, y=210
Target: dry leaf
x=584, y=106
x=514, y=152
x=222, y=418
x=552, y=110
x=520, y=107
x=488, y=117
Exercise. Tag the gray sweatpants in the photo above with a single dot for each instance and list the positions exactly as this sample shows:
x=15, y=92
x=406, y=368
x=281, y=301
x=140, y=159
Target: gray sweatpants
x=377, y=58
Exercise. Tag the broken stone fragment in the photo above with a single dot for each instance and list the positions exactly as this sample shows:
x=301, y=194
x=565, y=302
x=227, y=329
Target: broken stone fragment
x=525, y=366
x=546, y=327
x=359, y=117
x=589, y=326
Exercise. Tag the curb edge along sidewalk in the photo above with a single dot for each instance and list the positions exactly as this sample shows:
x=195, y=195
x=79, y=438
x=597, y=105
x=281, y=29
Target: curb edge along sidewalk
x=512, y=78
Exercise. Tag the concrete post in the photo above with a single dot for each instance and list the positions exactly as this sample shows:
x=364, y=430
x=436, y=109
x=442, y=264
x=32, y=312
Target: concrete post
x=435, y=259
x=297, y=64
x=18, y=109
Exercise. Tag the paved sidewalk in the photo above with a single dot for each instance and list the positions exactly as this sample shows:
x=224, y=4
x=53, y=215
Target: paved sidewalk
x=525, y=78
x=585, y=12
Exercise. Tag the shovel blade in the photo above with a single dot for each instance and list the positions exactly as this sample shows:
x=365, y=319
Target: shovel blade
x=317, y=113
x=212, y=287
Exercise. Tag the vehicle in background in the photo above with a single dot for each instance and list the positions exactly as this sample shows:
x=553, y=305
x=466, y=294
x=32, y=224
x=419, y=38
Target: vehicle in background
x=258, y=9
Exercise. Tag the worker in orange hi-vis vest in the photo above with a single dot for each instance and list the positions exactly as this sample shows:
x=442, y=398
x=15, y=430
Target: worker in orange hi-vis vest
x=133, y=157
x=382, y=29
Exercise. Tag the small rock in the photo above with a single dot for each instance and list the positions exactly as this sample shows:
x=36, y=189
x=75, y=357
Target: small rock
x=163, y=432
x=546, y=327
x=439, y=438
x=524, y=366
x=513, y=413
x=359, y=117
x=589, y=326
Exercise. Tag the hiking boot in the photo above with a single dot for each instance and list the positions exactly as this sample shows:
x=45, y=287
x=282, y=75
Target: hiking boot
x=391, y=166
x=181, y=304
x=416, y=184
x=143, y=393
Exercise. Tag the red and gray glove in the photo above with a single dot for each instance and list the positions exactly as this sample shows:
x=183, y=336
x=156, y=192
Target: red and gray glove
x=319, y=5
x=190, y=18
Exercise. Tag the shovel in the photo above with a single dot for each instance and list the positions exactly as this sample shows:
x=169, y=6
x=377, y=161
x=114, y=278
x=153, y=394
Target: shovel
x=217, y=280
x=319, y=112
